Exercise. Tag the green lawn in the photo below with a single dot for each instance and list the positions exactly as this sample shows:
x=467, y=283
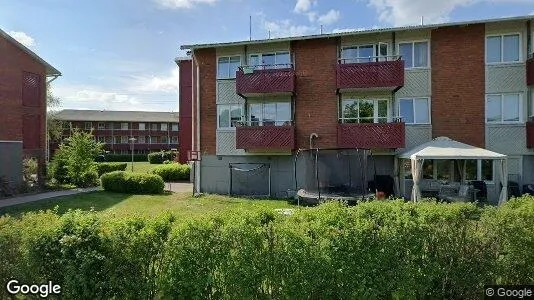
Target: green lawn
x=141, y=167
x=183, y=205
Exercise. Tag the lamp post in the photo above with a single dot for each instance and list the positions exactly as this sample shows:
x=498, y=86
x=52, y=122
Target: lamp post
x=132, y=140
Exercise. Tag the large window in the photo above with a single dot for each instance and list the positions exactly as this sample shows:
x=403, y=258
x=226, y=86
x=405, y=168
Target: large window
x=227, y=66
x=174, y=139
x=229, y=115
x=448, y=170
x=503, y=48
x=415, y=110
x=141, y=126
x=124, y=126
x=364, y=111
x=163, y=126
x=414, y=54
x=269, y=113
x=174, y=127
x=364, y=53
x=503, y=108
x=141, y=139
x=88, y=125
x=124, y=139
x=154, y=126
x=101, y=125
x=273, y=60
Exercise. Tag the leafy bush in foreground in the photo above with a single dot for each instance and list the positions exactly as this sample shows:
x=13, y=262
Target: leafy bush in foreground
x=160, y=157
x=132, y=183
x=107, y=167
x=373, y=250
x=172, y=172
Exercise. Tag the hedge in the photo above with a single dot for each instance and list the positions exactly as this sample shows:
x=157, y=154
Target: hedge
x=109, y=167
x=132, y=183
x=374, y=250
x=125, y=157
x=159, y=157
x=172, y=172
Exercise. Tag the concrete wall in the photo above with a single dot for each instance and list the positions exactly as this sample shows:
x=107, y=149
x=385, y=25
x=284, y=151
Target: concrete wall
x=11, y=160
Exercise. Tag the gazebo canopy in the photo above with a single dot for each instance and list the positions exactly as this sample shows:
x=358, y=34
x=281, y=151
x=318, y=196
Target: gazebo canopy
x=445, y=148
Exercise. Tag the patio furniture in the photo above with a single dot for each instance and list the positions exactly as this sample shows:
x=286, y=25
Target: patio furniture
x=482, y=190
x=453, y=193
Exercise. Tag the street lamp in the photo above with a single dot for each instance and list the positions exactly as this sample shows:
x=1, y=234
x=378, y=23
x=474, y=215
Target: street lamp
x=132, y=141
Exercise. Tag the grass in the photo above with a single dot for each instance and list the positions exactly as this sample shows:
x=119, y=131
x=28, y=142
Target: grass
x=141, y=167
x=183, y=205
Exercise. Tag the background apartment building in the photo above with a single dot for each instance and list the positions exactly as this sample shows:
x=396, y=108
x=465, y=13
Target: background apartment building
x=152, y=131
x=385, y=90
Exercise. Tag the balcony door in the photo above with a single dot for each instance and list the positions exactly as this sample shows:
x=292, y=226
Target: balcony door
x=364, y=53
x=273, y=60
x=269, y=113
x=365, y=111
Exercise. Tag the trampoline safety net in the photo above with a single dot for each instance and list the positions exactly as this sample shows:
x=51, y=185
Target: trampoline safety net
x=250, y=179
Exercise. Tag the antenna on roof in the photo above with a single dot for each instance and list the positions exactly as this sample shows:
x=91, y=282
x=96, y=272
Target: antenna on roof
x=321, y=29
x=422, y=20
x=250, y=28
x=269, y=36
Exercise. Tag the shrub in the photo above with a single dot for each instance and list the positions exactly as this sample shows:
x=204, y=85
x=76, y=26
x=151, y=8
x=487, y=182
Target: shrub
x=125, y=157
x=159, y=157
x=132, y=183
x=58, y=167
x=172, y=172
x=109, y=167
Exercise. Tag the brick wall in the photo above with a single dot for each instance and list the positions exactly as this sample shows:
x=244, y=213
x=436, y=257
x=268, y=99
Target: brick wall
x=207, y=61
x=458, y=83
x=185, y=109
x=316, y=100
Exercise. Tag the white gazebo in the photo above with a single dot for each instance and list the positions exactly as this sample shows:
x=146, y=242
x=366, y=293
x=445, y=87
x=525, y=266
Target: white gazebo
x=445, y=148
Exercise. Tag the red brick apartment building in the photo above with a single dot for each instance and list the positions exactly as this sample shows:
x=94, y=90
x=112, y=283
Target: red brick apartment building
x=23, y=77
x=385, y=90
x=152, y=131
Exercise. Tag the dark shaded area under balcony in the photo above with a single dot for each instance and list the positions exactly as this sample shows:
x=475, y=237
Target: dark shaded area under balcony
x=375, y=76
x=530, y=72
x=265, y=137
x=530, y=135
x=371, y=135
x=265, y=81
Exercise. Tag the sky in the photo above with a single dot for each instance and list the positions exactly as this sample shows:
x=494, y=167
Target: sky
x=119, y=54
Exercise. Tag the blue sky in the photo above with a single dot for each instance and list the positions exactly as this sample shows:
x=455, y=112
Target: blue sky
x=118, y=54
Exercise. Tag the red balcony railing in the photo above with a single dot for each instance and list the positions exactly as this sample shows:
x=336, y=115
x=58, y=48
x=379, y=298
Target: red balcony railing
x=265, y=137
x=530, y=72
x=371, y=135
x=381, y=75
x=250, y=81
x=530, y=135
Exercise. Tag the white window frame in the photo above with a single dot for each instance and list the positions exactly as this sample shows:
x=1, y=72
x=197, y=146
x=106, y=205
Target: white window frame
x=141, y=139
x=139, y=126
x=88, y=127
x=359, y=59
x=413, y=53
x=164, y=137
x=164, y=126
x=101, y=125
x=375, y=109
x=122, y=126
x=260, y=58
x=124, y=139
x=174, y=127
x=152, y=126
x=502, y=108
x=230, y=76
x=174, y=140
x=502, y=35
x=262, y=118
x=219, y=106
x=413, y=107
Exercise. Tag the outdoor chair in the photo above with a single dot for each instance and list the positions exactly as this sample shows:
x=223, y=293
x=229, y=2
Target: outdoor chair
x=462, y=193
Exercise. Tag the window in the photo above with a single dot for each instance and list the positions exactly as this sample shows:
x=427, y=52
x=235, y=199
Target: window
x=269, y=113
x=414, y=54
x=110, y=125
x=448, y=170
x=116, y=140
x=227, y=66
x=503, y=48
x=270, y=60
x=154, y=126
x=141, y=140
x=174, y=140
x=229, y=115
x=443, y=169
x=88, y=125
x=109, y=140
x=174, y=127
x=428, y=169
x=124, y=126
x=153, y=139
x=486, y=170
x=141, y=126
x=124, y=139
x=415, y=110
x=364, y=111
x=101, y=139
x=163, y=126
x=364, y=53
x=101, y=125
x=164, y=139
x=503, y=108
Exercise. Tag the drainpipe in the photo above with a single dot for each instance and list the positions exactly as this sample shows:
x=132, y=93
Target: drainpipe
x=313, y=136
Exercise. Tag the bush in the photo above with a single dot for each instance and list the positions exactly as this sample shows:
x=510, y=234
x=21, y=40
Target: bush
x=172, y=172
x=109, y=167
x=58, y=167
x=125, y=157
x=132, y=183
x=160, y=157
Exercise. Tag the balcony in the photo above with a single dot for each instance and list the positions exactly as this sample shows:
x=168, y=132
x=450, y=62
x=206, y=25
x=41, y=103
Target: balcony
x=371, y=135
x=370, y=76
x=265, y=137
x=530, y=135
x=530, y=71
x=251, y=81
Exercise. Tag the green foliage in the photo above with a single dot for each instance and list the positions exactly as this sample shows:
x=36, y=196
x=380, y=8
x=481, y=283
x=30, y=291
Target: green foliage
x=107, y=167
x=381, y=249
x=160, y=157
x=132, y=183
x=172, y=172
x=29, y=168
x=74, y=161
x=125, y=157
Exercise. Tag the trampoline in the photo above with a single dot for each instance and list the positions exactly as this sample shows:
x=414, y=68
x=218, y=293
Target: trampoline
x=332, y=174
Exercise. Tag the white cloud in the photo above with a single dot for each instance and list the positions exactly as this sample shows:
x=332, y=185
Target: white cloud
x=409, y=12
x=330, y=17
x=22, y=38
x=286, y=28
x=164, y=84
x=177, y=4
x=304, y=6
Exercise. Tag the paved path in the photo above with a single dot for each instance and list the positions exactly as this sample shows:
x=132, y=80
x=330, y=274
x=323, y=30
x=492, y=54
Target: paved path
x=42, y=196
